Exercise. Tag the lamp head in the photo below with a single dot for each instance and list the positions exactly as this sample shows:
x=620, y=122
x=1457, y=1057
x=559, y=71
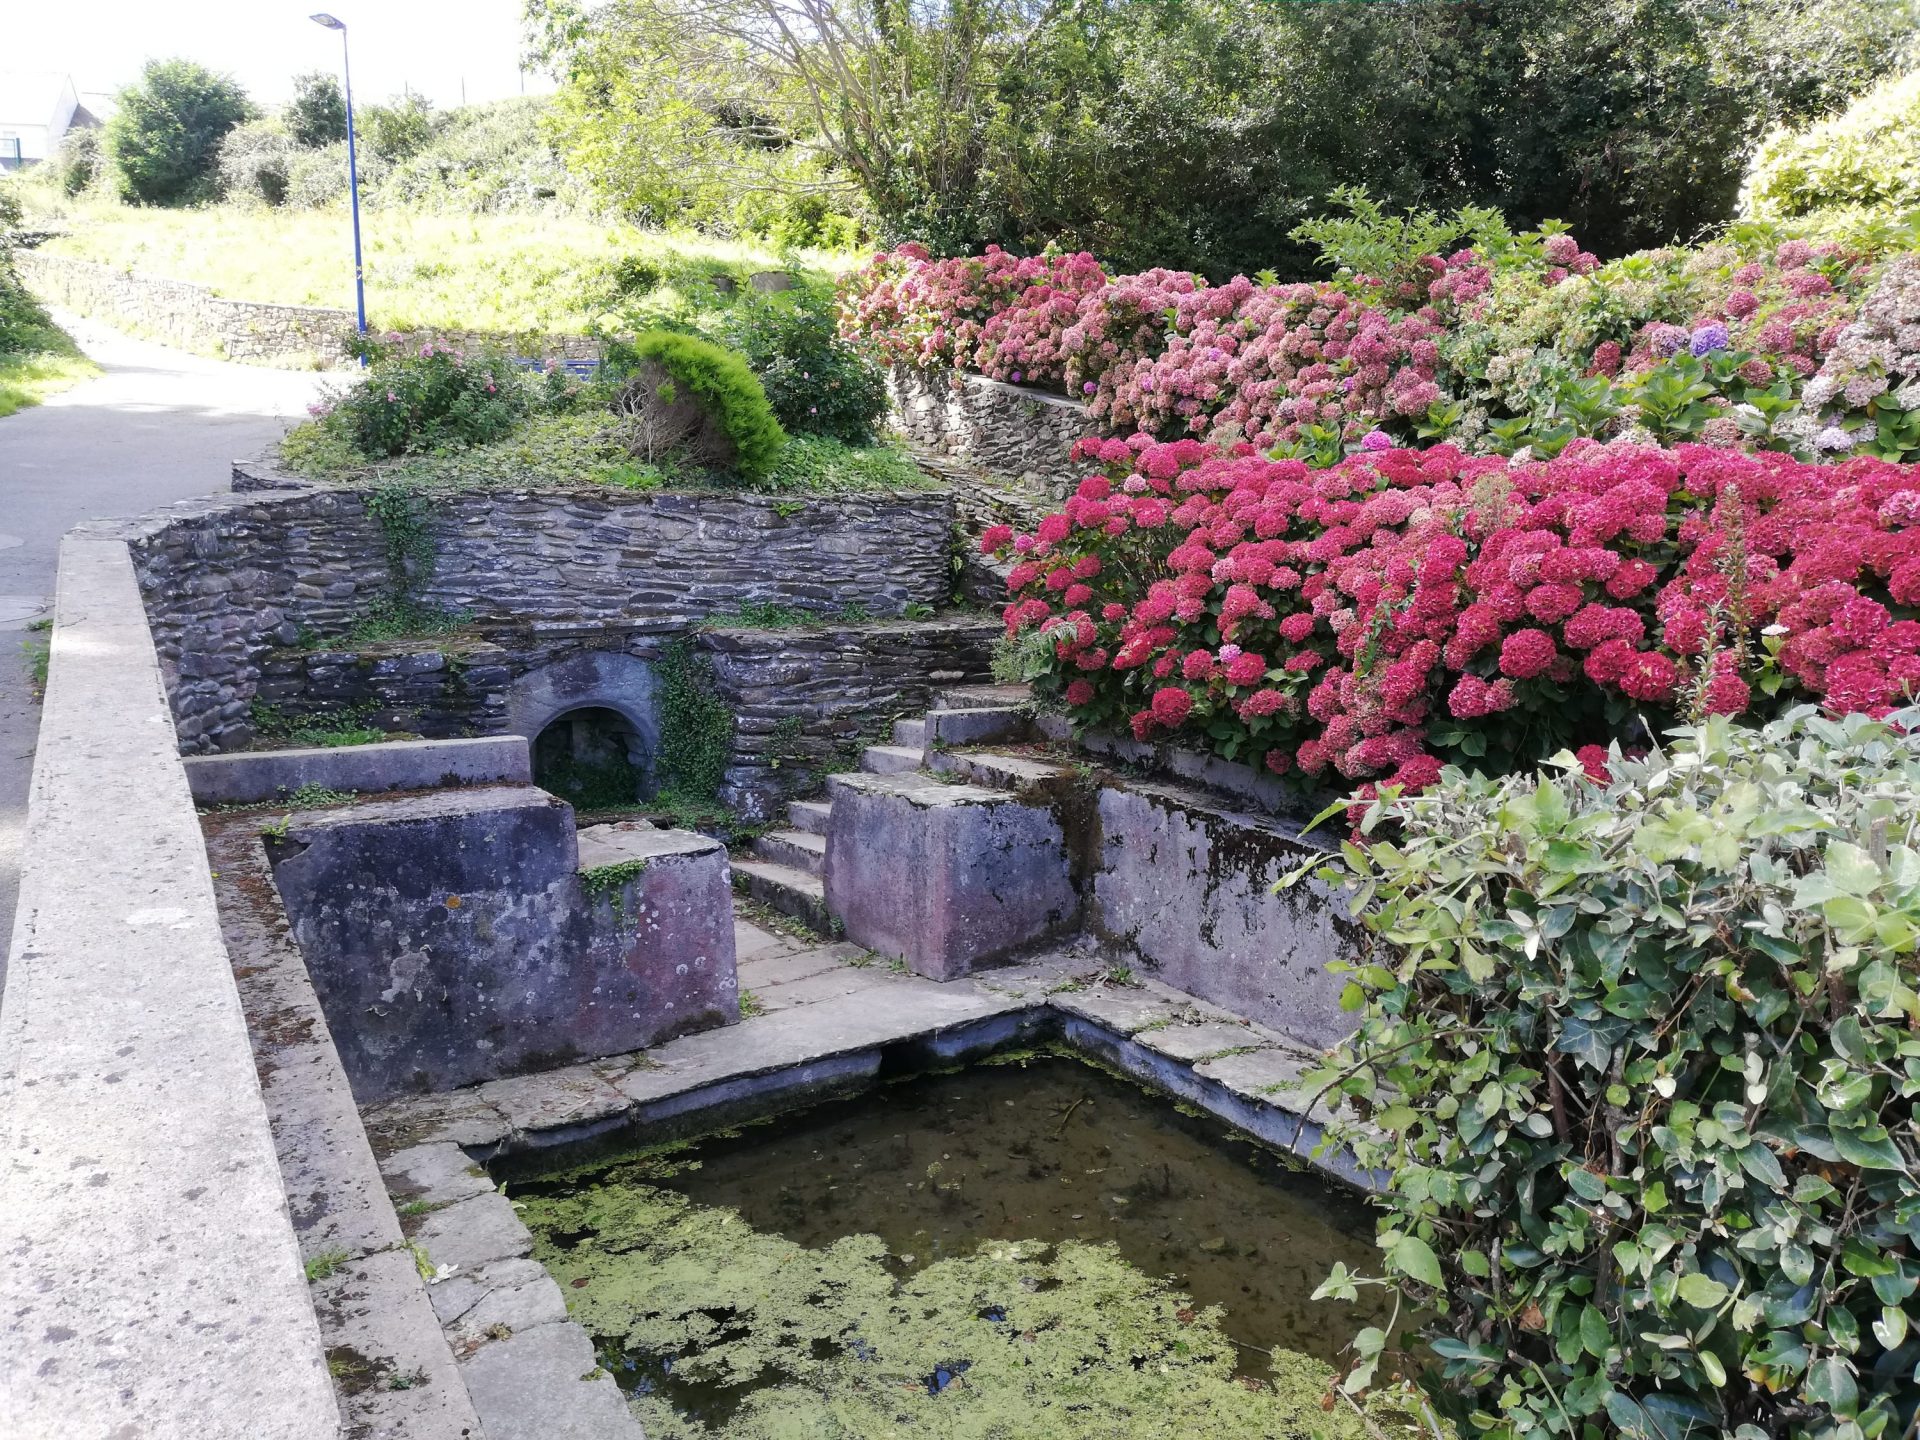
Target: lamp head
x=328, y=21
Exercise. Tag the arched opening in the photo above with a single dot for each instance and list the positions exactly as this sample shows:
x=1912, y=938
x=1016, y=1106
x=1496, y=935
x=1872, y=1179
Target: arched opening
x=594, y=758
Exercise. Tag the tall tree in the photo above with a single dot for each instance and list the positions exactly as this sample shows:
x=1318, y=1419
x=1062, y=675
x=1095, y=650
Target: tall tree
x=164, y=139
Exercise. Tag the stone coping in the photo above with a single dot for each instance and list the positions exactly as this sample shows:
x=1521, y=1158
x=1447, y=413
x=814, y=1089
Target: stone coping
x=150, y=1283
x=255, y=776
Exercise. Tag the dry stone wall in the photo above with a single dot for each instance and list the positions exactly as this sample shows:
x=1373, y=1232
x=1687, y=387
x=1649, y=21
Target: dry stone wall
x=192, y=317
x=1011, y=432
x=230, y=580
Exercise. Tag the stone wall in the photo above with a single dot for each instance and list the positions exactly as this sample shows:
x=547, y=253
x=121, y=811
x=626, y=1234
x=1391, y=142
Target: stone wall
x=805, y=700
x=1013, y=433
x=229, y=579
x=192, y=317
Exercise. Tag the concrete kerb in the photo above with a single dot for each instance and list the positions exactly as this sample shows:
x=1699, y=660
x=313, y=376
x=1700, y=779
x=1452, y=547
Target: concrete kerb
x=150, y=1282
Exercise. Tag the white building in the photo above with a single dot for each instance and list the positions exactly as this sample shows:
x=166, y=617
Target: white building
x=36, y=109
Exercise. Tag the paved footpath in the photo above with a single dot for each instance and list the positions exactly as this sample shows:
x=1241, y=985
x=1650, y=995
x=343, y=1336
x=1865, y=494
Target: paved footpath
x=159, y=425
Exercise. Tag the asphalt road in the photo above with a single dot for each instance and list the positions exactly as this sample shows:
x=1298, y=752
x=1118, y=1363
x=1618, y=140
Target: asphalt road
x=158, y=425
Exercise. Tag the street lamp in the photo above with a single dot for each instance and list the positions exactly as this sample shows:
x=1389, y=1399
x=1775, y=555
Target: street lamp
x=353, y=173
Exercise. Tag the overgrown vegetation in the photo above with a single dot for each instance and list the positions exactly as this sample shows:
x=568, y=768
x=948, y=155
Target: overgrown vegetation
x=1636, y=1054
x=1866, y=156
x=1193, y=133
x=37, y=358
x=163, y=140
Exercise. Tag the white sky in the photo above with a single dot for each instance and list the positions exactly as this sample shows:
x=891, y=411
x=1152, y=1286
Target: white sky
x=434, y=46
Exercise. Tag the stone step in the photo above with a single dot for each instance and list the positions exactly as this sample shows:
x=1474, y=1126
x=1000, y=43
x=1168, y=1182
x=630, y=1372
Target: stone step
x=795, y=848
x=791, y=892
x=998, y=771
x=908, y=779
x=910, y=733
x=976, y=697
x=810, y=815
x=979, y=725
x=889, y=759
x=602, y=845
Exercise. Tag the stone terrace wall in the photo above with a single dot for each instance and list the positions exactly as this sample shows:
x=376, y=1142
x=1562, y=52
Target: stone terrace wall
x=1011, y=432
x=804, y=700
x=194, y=318
x=227, y=579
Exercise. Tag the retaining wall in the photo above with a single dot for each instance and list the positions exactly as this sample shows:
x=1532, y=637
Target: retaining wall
x=192, y=317
x=229, y=579
x=1012, y=432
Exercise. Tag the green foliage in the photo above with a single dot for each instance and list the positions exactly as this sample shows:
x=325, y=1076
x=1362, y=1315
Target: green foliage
x=397, y=130
x=478, y=159
x=164, y=139
x=412, y=401
x=1368, y=241
x=255, y=161
x=816, y=464
x=817, y=383
x=317, y=114
x=696, y=728
x=1152, y=132
x=1867, y=155
x=77, y=161
x=323, y=1265
x=1639, y=1060
x=724, y=388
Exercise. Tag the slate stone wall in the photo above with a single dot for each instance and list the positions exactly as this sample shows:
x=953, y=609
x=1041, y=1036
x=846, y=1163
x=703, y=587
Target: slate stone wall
x=230, y=580
x=806, y=701
x=1012, y=432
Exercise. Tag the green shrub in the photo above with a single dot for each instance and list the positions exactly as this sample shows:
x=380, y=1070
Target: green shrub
x=816, y=382
x=1640, y=1061
x=414, y=401
x=1868, y=154
x=397, y=130
x=164, y=139
x=317, y=114
x=717, y=381
x=254, y=160
x=76, y=161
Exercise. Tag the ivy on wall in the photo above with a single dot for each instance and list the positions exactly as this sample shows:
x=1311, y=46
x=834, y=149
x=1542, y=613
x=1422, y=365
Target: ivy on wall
x=696, y=728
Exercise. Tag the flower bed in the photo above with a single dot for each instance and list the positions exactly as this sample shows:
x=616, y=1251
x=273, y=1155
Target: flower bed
x=1527, y=345
x=1402, y=608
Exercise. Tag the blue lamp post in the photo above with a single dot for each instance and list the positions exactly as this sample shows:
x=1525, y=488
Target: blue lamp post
x=353, y=173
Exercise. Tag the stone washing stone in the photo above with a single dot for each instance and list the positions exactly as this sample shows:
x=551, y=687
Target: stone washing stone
x=1187, y=885
x=949, y=878
x=451, y=939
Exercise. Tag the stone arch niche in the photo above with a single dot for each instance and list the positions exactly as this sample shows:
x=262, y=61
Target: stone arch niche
x=585, y=713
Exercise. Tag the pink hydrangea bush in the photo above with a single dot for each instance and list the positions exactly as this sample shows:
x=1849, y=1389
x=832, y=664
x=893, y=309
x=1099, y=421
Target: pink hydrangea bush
x=1527, y=351
x=1371, y=621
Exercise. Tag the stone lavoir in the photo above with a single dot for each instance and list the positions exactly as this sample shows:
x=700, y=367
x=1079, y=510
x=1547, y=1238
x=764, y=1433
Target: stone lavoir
x=450, y=980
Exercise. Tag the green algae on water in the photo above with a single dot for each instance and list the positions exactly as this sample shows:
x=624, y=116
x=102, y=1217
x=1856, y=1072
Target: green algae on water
x=1002, y=1254
x=722, y=1329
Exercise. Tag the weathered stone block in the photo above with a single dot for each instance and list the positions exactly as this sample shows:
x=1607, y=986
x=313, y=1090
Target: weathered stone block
x=367, y=769
x=948, y=877
x=1187, y=884
x=451, y=940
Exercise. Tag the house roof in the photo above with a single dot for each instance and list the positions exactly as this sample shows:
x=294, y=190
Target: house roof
x=32, y=97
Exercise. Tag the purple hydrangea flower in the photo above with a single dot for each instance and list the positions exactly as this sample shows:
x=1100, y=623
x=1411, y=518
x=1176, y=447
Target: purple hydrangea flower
x=1376, y=440
x=1667, y=340
x=1708, y=338
x=1229, y=654
x=1087, y=387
